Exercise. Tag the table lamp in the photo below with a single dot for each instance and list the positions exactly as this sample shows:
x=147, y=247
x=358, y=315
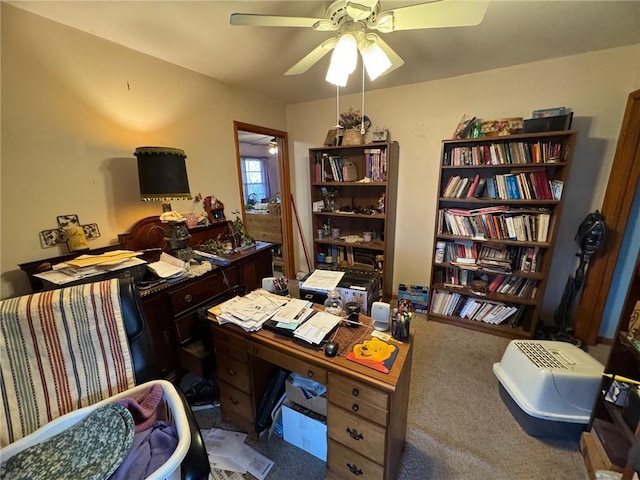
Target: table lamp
x=162, y=174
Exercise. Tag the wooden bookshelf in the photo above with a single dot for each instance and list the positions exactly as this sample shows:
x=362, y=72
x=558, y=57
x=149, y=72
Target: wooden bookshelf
x=365, y=181
x=498, y=210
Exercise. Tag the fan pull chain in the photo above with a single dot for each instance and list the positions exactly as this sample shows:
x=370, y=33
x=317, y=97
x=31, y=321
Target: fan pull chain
x=338, y=106
x=362, y=129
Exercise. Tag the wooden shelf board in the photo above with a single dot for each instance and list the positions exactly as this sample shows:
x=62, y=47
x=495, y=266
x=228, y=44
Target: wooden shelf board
x=500, y=330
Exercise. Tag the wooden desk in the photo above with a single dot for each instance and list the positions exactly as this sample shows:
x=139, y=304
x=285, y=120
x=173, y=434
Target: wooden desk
x=366, y=409
x=173, y=308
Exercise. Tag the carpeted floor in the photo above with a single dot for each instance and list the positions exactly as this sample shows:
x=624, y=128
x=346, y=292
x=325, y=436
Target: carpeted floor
x=458, y=427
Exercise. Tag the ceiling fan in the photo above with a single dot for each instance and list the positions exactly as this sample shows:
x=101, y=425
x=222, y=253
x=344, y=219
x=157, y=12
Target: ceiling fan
x=355, y=20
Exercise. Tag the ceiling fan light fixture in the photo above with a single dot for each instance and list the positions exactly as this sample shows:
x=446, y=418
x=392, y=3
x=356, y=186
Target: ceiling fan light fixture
x=273, y=146
x=385, y=22
x=337, y=76
x=343, y=60
x=376, y=62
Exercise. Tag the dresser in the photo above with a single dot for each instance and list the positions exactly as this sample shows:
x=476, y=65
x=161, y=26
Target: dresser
x=173, y=309
x=366, y=410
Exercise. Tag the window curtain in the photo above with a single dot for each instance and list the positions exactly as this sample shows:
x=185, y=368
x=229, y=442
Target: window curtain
x=255, y=178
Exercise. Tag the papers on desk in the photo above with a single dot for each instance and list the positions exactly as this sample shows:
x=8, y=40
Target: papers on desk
x=64, y=273
x=317, y=327
x=168, y=267
x=251, y=311
x=323, y=280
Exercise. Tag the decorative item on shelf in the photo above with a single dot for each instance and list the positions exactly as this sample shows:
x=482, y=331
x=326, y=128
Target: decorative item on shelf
x=162, y=175
x=502, y=126
x=349, y=172
x=634, y=326
x=380, y=135
x=464, y=127
x=355, y=126
x=330, y=200
x=177, y=235
x=69, y=225
x=214, y=209
x=239, y=236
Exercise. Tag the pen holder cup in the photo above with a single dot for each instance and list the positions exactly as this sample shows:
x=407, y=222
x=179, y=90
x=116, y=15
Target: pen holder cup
x=400, y=324
x=353, y=314
x=282, y=292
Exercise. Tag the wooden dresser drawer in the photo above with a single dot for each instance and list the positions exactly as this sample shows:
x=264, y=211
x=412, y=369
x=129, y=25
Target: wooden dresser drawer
x=358, y=398
x=235, y=403
x=288, y=362
x=346, y=463
x=234, y=372
x=225, y=341
x=184, y=327
x=195, y=293
x=356, y=433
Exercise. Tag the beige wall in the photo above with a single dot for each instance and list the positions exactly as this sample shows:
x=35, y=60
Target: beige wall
x=419, y=116
x=75, y=107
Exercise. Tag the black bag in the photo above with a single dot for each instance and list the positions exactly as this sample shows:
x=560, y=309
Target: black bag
x=274, y=391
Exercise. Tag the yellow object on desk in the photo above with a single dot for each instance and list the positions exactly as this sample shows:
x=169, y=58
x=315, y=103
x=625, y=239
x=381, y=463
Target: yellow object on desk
x=77, y=240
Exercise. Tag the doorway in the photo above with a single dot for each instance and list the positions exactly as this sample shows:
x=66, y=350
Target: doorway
x=262, y=160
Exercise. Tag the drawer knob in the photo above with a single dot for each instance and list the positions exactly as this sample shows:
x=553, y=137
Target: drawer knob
x=353, y=433
x=234, y=400
x=355, y=392
x=310, y=374
x=354, y=469
x=231, y=371
x=188, y=298
x=355, y=407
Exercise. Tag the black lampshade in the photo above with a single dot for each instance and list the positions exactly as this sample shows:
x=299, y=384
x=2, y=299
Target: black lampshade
x=162, y=174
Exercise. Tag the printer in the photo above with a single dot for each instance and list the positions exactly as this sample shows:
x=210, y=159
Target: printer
x=360, y=286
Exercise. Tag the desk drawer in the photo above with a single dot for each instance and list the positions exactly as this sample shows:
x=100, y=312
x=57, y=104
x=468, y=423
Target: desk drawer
x=235, y=403
x=283, y=360
x=234, y=372
x=196, y=293
x=355, y=432
x=358, y=398
x=225, y=341
x=348, y=464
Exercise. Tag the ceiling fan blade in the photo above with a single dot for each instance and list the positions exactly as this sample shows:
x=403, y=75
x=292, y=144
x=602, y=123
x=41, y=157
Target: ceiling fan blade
x=312, y=57
x=257, y=20
x=396, y=61
x=436, y=14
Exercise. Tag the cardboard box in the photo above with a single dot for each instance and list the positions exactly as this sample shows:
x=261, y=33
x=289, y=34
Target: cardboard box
x=297, y=395
x=304, y=429
x=416, y=294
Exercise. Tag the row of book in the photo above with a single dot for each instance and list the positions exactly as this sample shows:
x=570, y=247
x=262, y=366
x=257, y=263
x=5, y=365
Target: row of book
x=523, y=226
x=505, y=153
x=460, y=305
x=330, y=168
x=504, y=284
x=375, y=164
x=509, y=186
x=492, y=258
x=364, y=259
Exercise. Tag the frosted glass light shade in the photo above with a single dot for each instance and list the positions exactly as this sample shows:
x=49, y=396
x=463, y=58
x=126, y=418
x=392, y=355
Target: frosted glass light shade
x=343, y=60
x=375, y=60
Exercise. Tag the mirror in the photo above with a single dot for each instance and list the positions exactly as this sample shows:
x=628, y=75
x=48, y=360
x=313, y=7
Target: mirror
x=262, y=160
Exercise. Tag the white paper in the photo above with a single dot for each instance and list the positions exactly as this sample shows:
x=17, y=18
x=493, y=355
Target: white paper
x=168, y=266
x=323, y=280
x=317, y=327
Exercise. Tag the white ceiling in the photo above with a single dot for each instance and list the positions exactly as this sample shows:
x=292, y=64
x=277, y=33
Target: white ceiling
x=197, y=35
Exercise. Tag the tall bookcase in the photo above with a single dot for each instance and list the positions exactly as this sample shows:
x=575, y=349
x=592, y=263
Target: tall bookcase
x=499, y=204
x=354, y=189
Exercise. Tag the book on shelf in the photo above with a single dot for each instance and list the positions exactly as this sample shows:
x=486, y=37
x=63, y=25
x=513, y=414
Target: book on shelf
x=556, y=189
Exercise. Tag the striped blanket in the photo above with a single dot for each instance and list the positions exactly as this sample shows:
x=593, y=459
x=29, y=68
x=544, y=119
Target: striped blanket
x=60, y=350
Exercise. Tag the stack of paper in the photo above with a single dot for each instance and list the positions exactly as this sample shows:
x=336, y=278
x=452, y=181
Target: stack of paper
x=87, y=266
x=293, y=314
x=168, y=267
x=316, y=328
x=228, y=453
x=251, y=311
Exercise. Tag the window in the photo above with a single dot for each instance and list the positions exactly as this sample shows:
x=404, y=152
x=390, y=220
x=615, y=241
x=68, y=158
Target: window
x=255, y=179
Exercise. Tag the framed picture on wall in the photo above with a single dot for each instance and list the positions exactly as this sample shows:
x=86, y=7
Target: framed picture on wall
x=331, y=137
x=66, y=221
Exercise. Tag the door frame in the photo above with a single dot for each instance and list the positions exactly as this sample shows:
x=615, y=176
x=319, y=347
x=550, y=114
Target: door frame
x=616, y=207
x=282, y=140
